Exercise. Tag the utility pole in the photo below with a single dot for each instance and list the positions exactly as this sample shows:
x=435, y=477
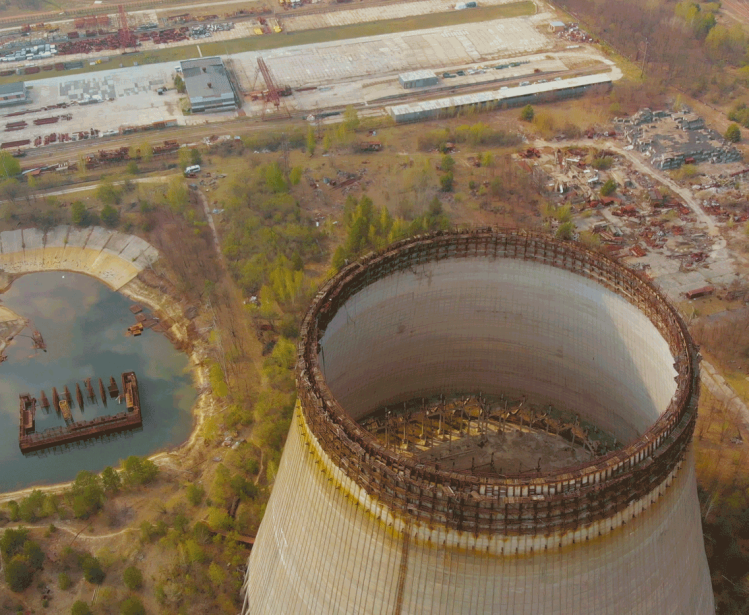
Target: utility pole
x=644, y=58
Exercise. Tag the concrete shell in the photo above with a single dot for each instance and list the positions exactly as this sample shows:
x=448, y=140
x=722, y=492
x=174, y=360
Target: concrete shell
x=354, y=528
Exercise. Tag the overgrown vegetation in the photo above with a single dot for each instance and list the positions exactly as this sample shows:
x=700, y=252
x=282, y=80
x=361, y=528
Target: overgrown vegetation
x=470, y=134
x=22, y=558
x=679, y=44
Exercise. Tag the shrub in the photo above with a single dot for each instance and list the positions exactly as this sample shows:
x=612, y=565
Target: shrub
x=33, y=554
x=446, y=182
x=195, y=494
x=80, y=608
x=133, y=578
x=733, y=133
x=110, y=216
x=527, y=113
x=566, y=230
x=18, y=575
x=92, y=570
x=132, y=606
x=609, y=187
x=448, y=162
x=63, y=581
x=603, y=163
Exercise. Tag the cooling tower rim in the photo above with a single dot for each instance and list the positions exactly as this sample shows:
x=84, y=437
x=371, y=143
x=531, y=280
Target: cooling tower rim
x=634, y=469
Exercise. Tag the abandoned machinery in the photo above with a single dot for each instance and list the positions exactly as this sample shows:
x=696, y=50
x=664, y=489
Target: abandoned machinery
x=75, y=431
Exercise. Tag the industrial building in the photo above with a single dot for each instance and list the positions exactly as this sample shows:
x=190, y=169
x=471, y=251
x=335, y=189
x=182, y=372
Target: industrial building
x=417, y=79
x=208, y=85
x=13, y=94
x=488, y=422
x=671, y=140
x=509, y=96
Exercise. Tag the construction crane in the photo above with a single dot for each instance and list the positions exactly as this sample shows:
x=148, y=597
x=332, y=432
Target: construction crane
x=272, y=93
x=127, y=38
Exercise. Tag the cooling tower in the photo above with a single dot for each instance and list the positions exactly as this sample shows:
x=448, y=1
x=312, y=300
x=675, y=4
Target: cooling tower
x=488, y=422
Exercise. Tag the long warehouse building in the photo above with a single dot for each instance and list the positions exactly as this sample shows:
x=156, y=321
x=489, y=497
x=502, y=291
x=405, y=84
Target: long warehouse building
x=488, y=422
x=510, y=96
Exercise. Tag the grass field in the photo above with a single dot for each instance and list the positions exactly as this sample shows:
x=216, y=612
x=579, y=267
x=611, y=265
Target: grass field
x=259, y=43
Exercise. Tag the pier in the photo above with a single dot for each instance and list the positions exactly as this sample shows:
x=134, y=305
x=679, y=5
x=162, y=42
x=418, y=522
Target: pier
x=76, y=431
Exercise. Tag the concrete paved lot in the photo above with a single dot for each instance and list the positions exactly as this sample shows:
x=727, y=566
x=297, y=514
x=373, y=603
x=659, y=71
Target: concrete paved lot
x=326, y=63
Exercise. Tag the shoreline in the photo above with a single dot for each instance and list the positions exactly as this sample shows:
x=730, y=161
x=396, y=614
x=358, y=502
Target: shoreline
x=160, y=303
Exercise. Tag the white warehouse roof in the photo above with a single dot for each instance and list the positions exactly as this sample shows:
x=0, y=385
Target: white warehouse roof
x=496, y=95
x=416, y=75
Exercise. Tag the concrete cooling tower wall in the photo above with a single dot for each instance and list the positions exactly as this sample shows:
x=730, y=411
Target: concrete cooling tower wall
x=355, y=525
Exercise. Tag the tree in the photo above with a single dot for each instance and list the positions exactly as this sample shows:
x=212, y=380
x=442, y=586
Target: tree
x=110, y=216
x=139, y=471
x=195, y=494
x=448, y=162
x=179, y=84
x=295, y=176
x=133, y=578
x=12, y=542
x=733, y=133
x=146, y=152
x=177, y=195
x=274, y=178
x=132, y=606
x=566, y=230
x=527, y=113
x=11, y=189
x=108, y=194
x=217, y=574
x=195, y=156
x=111, y=480
x=609, y=187
x=79, y=214
x=9, y=166
x=132, y=168
x=339, y=258
x=185, y=158
x=92, y=570
x=350, y=119
x=18, y=574
x=80, y=608
x=446, y=182
x=310, y=141
x=33, y=554
x=86, y=494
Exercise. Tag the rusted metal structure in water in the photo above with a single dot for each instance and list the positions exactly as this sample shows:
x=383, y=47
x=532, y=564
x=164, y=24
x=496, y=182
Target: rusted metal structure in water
x=78, y=431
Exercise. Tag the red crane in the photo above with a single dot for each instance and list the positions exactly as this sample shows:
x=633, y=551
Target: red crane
x=273, y=93
x=127, y=38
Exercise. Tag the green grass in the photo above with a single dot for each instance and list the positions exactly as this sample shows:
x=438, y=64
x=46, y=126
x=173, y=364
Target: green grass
x=275, y=41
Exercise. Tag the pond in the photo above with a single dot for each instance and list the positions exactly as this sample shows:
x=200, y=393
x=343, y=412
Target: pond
x=83, y=324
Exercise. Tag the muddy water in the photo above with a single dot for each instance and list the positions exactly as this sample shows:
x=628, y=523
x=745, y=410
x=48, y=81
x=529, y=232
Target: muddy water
x=83, y=324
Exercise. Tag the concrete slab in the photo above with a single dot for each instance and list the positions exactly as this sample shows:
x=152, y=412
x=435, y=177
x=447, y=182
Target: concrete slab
x=12, y=241
x=56, y=237
x=117, y=243
x=84, y=252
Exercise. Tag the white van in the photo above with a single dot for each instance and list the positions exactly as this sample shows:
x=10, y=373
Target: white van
x=193, y=170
